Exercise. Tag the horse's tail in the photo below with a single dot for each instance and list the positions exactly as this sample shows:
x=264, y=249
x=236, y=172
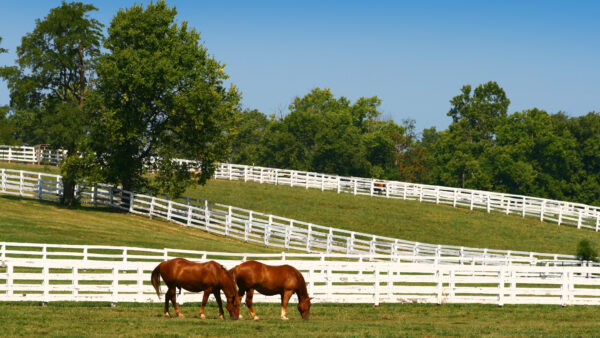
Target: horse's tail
x=155, y=279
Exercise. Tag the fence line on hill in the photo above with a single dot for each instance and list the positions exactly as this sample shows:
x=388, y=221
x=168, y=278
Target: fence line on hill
x=248, y=225
x=560, y=212
x=66, y=276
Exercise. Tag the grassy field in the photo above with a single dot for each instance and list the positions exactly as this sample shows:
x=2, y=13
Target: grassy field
x=74, y=319
x=410, y=220
x=29, y=220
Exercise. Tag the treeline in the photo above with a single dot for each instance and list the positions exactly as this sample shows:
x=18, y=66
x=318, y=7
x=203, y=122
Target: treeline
x=149, y=89
x=530, y=152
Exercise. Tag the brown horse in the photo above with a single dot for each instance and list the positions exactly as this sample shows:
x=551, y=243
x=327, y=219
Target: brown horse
x=270, y=280
x=196, y=277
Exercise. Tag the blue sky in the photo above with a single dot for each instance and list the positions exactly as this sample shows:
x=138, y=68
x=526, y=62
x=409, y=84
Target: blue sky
x=414, y=56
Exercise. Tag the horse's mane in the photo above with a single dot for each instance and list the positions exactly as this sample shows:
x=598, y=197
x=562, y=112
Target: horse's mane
x=231, y=275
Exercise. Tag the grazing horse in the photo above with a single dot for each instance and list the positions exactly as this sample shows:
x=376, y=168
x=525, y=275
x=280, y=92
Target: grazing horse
x=270, y=280
x=196, y=277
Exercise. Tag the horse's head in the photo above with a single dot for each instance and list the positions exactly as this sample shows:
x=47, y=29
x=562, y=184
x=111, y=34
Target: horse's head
x=233, y=298
x=304, y=308
x=233, y=306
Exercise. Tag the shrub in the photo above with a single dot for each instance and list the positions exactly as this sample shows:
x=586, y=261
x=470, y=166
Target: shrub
x=585, y=251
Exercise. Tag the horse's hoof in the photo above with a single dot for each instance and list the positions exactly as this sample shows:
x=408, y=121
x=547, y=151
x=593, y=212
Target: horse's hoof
x=221, y=317
x=202, y=316
x=256, y=318
x=180, y=315
x=284, y=318
x=241, y=317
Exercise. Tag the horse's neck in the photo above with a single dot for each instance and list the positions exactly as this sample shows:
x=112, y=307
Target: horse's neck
x=301, y=290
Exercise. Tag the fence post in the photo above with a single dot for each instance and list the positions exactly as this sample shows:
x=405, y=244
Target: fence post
x=523, y=212
x=339, y=188
x=40, y=186
x=329, y=241
x=472, y=199
x=227, y=225
x=597, y=220
x=308, y=234
x=115, y=285
x=140, y=283
x=372, y=187
x=439, y=277
x=376, y=293
x=45, y=283
x=579, y=220
x=565, y=289
x=9, y=279
x=488, y=202
x=189, y=215
x=75, y=282
x=501, y=287
x=21, y=182
x=3, y=179
x=350, y=243
x=560, y=213
x=276, y=176
x=131, y=197
x=169, y=210
x=542, y=207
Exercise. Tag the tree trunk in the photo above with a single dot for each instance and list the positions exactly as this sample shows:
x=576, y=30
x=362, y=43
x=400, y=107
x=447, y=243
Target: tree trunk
x=68, y=192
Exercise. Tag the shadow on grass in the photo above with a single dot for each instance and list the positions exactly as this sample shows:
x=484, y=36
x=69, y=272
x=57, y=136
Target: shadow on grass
x=58, y=205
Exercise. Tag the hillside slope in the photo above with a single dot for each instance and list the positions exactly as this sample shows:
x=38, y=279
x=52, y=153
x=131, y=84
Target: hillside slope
x=34, y=221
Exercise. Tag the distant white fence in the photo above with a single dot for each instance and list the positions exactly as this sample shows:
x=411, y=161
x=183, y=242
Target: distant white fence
x=87, y=273
x=560, y=212
x=35, y=155
x=563, y=213
x=256, y=227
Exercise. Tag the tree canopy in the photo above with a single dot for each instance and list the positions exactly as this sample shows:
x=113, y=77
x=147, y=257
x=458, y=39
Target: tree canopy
x=48, y=87
x=159, y=95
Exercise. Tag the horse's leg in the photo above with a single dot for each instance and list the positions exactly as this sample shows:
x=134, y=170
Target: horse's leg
x=241, y=294
x=204, y=300
x=249, y=295
x=167, y=298
x=285, y=298
x=217, y=294
x=174, y=301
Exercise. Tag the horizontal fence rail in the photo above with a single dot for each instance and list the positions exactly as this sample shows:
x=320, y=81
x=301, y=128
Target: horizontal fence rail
x=260, y=228
x=61, y=274
x=560, y=212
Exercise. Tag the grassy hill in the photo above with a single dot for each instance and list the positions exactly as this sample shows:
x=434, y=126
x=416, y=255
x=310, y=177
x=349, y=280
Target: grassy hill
x=410, y=220
x=30, y=220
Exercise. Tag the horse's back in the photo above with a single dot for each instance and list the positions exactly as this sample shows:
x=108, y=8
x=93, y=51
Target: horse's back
x=265, y=277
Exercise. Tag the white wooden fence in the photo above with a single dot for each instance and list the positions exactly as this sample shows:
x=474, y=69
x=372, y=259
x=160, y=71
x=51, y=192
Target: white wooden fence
x=64, y=273
x=560, y=212
x=563, y=213
x=255, y=227
x=37, y=155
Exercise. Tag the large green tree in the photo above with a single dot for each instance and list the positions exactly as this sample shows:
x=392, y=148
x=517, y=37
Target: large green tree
x=49, y=85
x=160, y=96
x=475, y=116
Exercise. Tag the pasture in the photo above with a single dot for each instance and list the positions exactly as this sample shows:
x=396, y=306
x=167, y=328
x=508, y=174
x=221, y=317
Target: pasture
x=96, y=319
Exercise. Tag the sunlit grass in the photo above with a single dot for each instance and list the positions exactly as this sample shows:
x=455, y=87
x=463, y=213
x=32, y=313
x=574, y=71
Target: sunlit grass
x=340, y=320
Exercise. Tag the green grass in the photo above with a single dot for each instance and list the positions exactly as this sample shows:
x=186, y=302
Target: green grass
x=89, y=319
x=422, y=222
x=48, y=169
x=30, y=220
